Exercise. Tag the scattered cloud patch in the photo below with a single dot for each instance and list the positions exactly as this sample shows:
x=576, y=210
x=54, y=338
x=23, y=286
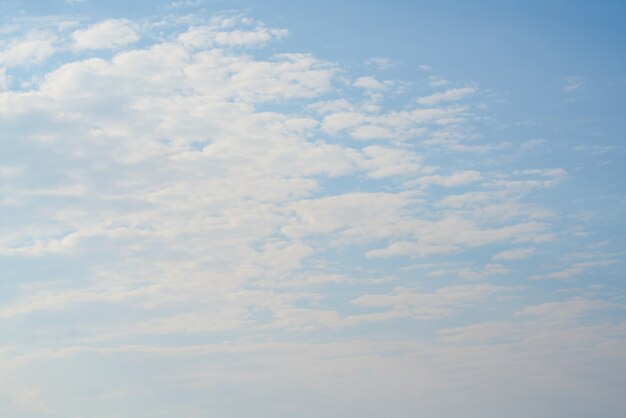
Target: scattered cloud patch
x=215, y=35
x=453, y=180
x=380, y=63
x=418, y=305
x=436, y=81
x=369, y=83
x=515, y=254
x=175, y=5
x=450, y=95
x=576, y=269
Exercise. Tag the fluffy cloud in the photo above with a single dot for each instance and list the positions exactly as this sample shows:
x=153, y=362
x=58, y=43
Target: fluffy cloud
x=369, y=83
x=109, y=34
x=34, y=48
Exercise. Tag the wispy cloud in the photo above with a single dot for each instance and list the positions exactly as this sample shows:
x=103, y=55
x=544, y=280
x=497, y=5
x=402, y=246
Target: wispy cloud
x=515, y=254
x=450, y=95
x=573, y=84
x=380, y=63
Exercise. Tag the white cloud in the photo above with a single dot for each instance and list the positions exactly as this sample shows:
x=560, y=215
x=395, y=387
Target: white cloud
x=394, y=125
x=381, y=162
x=575, y=269
x=368, y=132
x=285, y=76
x=450, y=95
x=109, y=34
x=453, y=180
x=532, y=178
x=515, y=254
x=546, y=172
x=206, y=36
x=380, y=63
x=486, y=271
x=353, y=216
x=436, y=81
x=4, y=79
x=332, y=106
x=369, y=83
x=32, y=49
x=183, y=3
x=453, y=234
x=427, y=306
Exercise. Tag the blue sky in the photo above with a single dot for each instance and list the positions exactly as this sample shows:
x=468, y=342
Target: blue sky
x=318, y=209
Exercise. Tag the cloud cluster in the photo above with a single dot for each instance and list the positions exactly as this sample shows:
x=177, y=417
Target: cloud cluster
x=180, y=165
x=182, y=192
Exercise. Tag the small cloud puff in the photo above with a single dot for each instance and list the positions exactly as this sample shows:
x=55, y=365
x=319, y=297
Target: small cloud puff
x=110, y=34
x=369, y=83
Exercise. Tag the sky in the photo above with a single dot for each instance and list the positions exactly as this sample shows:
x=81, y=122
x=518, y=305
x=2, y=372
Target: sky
x=338, y=209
